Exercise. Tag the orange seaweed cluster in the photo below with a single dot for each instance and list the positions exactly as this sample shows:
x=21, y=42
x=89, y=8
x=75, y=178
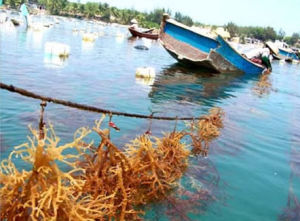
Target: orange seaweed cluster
x=47, y=192
x=264, y=85
x=145, y=171
x=103, y=182
x=205, y=130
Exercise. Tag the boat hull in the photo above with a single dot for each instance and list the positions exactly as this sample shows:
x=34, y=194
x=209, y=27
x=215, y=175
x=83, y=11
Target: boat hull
x=235, y=58
x=192, y=48
x=287, y=55
x=136, y=33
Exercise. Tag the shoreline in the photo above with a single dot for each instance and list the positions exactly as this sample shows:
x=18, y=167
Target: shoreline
x=62, y=14
x=46, y=13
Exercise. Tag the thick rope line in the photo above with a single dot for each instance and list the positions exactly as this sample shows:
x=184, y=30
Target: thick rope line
x=26, y=93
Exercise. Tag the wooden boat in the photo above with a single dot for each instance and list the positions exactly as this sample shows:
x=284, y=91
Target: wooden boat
x=143, y=34
x=193, y=48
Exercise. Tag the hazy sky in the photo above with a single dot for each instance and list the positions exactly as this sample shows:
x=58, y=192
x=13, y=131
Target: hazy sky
x=278, y=14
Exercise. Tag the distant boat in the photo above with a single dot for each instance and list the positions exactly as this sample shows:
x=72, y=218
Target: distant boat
x=285, y=52
x=15, y=21
x=193, y=48
x=288, y=55
x=143, y=34
x=273, y=49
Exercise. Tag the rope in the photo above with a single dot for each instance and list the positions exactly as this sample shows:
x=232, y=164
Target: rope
x=26, y=93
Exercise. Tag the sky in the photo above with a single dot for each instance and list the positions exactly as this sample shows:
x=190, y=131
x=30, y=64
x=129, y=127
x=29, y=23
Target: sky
x=279, y=14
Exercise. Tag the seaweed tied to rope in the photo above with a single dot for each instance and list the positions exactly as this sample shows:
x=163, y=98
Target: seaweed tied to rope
x=101, y=182
x=204, y=130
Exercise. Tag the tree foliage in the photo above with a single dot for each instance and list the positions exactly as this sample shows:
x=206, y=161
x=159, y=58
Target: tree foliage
x=292, y=40
x=183, y=19
x=109, y=13
x=54, y=6
x=281, y=34
x=232, y=28
x=261, y=33
x=13, y=3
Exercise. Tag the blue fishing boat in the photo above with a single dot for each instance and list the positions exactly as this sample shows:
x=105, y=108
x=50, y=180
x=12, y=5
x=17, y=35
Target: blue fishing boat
x=285, y=52
x=288, y=55
x=192, y=48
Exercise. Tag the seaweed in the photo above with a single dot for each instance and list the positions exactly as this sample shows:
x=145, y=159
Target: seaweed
x=146, y=171
x=198, y=189
x=194, y=193
x=263, y=86
x=80, y=181
x=292, y=210
x=205, y=130
x=47, y=192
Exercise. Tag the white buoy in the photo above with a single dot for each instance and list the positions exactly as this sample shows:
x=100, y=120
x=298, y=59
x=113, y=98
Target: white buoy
x=36, y=26
x=145, y=72
x=145, y=81
x=57, y=49
x=8, y=26
x=3, y=17
x=89, y=37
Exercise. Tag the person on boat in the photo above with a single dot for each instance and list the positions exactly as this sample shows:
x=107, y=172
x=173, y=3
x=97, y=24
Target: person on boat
x=266, y=58
x=134, y=24
x=261, y=56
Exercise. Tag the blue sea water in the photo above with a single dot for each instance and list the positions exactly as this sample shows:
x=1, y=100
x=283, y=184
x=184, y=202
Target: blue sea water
x=248, y=170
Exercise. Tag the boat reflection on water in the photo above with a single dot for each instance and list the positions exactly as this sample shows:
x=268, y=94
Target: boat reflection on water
x=180, y=84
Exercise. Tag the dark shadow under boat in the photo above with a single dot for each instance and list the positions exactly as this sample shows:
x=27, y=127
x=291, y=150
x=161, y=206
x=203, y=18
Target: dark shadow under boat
x=192, y=48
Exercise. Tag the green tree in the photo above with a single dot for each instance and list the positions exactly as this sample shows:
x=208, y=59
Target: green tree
x=269, y=34
x=13, y=3
x=183, y=19
x=91, y=9
x=232, y=29
x=281, y=34
x=54, y=6
x=156, y=15
x=178, y=16
x=292, y=40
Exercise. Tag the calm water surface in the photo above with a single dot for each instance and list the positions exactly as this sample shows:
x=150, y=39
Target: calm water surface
x=252, y=167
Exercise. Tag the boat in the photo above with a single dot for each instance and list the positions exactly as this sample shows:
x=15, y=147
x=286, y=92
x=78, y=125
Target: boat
x=143, y=34
x=192, y=48
x=288, y=55
x=285, y=52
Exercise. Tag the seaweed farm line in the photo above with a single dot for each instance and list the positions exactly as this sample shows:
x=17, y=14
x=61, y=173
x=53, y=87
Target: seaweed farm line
x=251, y=170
